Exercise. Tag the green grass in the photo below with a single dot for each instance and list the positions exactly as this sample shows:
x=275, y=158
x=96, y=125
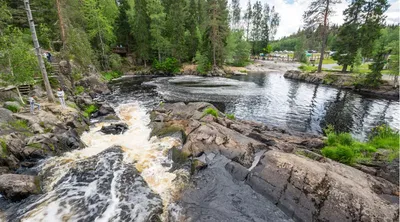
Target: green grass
x=108, y=76
x=13, y=108
x=19, y=124
x=230, y=116
x=328, y=61
x=89, y=110
x=210, y=111
x=308, y=68
x=4, y=150
x=343, y=148
x=79, y=90
x=35, y=145
x=72, y=105
x=362, y=69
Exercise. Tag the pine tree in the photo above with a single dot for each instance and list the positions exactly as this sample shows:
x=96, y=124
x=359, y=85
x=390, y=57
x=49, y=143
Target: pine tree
x=157, y=24
x=317, y=15
x=235, y=14
x=192, y=40
x=247, y=18
x=175, y=28
x=123, y=27
x=269, y=25
x=141, y=31
x=217, y=31
x=100, y=28
x=256, y=30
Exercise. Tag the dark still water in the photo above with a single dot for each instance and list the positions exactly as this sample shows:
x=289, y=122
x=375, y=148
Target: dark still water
x=271, y=99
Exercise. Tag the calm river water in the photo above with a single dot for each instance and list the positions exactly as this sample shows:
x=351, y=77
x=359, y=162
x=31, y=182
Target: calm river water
x=271, y=99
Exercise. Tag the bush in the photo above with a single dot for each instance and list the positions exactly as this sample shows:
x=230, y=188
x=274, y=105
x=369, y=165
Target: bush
x=170, y=65
x=203, y=64
x=343, y=154
x=343, y=148
x=115, y=61
x=79, y=90
x=384, y=137
x=230, y=116
x=89, y=110
x=210, y=111
x=13, y=108
x=108, y=76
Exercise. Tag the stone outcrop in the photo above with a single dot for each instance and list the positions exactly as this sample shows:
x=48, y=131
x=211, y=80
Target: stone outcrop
x=114, y=128
x=17, y=187
x=344, y=81
x=322, y=191
x=283, y=166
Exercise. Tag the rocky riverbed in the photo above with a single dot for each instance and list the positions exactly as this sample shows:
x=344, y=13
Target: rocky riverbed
x=282, y=166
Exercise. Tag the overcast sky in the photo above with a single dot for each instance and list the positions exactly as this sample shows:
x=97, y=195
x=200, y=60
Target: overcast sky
x=291, y=12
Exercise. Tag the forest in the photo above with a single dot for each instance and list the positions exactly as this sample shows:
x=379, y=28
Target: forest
x=164, y=34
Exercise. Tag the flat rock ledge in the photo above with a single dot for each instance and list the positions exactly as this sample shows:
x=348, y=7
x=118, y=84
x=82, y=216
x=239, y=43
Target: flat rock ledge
x=283, y=166
x=343, y=81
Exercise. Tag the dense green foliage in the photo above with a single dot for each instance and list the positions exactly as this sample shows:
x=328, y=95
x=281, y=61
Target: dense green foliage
x=170, y=65
x=343, y=148
x=13, y=108
x=87, y=112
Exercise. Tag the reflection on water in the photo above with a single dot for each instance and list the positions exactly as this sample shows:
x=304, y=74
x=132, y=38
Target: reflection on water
x=271, y=99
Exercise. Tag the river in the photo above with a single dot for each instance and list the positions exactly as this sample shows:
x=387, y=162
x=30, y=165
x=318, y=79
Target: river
x=136, y=181
x=271, y=99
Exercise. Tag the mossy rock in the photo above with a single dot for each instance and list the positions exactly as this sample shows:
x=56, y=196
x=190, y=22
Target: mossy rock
x=196, y=166
x=172, y=130
x=178, y=156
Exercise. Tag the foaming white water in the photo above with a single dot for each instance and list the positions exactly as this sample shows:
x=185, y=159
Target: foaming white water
x=149, y=156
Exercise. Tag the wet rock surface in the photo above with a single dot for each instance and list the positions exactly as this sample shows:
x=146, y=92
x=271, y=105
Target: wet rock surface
x=313, y=191
x=219, y=197
x=114, y=128
x=16, y=187
x=282, y=166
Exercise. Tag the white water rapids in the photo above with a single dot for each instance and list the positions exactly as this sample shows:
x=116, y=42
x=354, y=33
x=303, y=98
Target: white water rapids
x=66, y=195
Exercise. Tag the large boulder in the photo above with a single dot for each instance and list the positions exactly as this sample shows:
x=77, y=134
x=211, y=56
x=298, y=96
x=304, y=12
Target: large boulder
x=16, y=187
x=309, y=190
x=93, y=83
x=14, y=104
x=115, y=128
x=5, y=116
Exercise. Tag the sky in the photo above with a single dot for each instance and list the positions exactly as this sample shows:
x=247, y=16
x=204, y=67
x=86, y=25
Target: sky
x=291, y=13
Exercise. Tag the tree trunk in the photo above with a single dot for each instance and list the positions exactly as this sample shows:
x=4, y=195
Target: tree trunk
x=50, y=95
x=61, y=23
x=321, y=58
x=344, y=69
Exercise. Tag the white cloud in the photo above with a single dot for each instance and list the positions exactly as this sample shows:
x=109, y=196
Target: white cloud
x=292, y=13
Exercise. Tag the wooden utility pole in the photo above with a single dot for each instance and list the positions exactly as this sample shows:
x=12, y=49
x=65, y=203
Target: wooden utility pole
x=49, y=92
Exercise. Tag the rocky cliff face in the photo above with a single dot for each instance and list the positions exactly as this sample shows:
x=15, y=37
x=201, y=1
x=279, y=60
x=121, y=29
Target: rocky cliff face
x=283, y=166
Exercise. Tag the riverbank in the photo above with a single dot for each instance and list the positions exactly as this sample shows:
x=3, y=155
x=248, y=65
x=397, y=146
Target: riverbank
x=282, y=166
x=27, y=139
x=344, y=81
